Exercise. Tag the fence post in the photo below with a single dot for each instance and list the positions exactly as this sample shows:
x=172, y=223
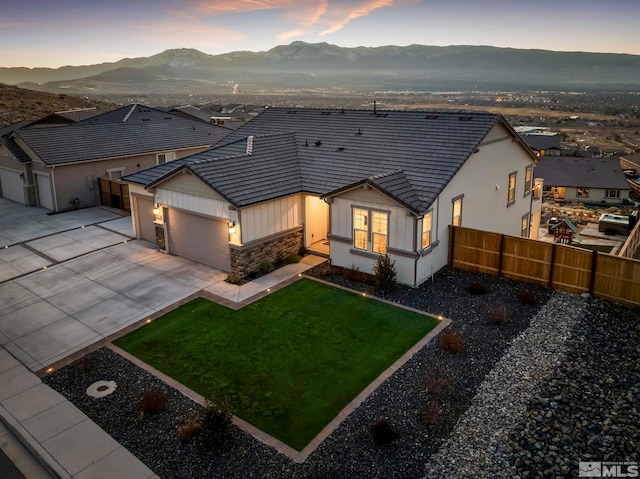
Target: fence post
x=592, y=279
x=500, y=257
x=553, y=262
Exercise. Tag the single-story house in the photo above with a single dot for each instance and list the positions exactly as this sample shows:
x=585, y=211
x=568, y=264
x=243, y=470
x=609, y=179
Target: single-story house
x=543, y=145
x=584, y=180
x=352, y=184
x=63, y=166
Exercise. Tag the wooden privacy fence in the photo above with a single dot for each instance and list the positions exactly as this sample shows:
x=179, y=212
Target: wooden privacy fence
x=115, y=194
x=562, y=267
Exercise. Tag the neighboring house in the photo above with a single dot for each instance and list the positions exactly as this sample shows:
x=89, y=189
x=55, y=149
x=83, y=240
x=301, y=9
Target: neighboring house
x=352, y=184
x=189, y=111
x=543, y=145
x=65, y=166
x=584, y=180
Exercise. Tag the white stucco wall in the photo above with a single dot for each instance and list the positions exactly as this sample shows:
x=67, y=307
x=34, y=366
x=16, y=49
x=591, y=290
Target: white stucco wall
x=484, y=207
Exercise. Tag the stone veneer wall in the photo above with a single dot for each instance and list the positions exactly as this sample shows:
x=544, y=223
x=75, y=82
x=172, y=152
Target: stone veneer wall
x=30, y=195
x=247, y=259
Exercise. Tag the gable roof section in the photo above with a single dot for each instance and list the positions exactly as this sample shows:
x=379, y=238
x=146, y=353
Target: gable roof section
x=394, y=184
x=128, y=131
x=581, y=172
x=267, y=170
x=410, y=155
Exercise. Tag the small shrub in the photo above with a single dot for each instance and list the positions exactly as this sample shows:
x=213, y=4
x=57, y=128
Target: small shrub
x=267, y=267
x=85, y=362
x=498, y=315
x=153, y=402
x=215, y=422
x=453, y=342
x=432, y=414
x=324, y=269
x=528, y=298
x=383, y=433
x=302, y=251
x=234, y=278
x=384, y=274
x=189, y=428
x=436, y=384
x=293, y=258
x=477, y=288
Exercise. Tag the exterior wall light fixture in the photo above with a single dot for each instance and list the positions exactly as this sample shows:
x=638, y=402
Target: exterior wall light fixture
x=232, y=228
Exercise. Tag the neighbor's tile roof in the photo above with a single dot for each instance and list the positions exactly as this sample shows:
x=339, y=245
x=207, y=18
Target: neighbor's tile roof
x=581, y=172
x=411, y=155
x=542, y=142
x=7, y=140
x=127, y=131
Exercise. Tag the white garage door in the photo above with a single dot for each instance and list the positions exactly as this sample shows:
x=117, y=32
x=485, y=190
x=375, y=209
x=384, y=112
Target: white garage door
x=198, y=238
x=144, y=214
x=11, y=185
x=44, y=191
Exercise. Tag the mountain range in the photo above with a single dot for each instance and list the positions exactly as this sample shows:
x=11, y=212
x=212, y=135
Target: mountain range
x=322, y=65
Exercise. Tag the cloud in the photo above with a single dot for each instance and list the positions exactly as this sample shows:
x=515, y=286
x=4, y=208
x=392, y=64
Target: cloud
x=289, y=35
x=345, y=13
x=320, y=17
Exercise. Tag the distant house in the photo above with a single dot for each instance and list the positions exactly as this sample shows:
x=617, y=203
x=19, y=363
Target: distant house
x=189, y=111
x=353, y=185
x=583, y=180
x=543, y=145
x=64, y=166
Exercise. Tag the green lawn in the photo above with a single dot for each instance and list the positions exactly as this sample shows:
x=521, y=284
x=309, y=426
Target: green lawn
x=289, y=362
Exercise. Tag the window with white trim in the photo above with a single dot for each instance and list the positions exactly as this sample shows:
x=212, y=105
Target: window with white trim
x=511, y=193
x=360, y=229
x=528, y=173
x=165, y=157
x=456, y=219
x=427, y=224
x=115, y=173
x=370, y=230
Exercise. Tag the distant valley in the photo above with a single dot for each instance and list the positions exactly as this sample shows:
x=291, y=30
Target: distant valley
x=300, y=66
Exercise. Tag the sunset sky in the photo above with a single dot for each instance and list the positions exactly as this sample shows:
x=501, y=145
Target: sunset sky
x=53, y=33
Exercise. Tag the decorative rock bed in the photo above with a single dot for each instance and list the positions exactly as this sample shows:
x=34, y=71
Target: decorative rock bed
x=483, y=425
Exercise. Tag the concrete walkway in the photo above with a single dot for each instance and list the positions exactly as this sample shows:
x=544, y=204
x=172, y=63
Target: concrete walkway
x=67, y=283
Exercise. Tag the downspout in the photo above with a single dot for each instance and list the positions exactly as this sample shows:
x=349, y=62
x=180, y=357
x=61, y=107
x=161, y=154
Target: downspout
x=415, y=248
x=55, y=192
x=531, y=195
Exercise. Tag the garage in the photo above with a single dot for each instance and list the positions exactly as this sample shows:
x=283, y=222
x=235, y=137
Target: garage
x=199, y=238
x=11, y=185
x=144, y=217
x=43, y=183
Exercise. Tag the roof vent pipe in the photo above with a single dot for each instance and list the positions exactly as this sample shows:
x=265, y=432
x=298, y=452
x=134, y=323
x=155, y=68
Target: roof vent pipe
x=249, y=144
x=375, y=111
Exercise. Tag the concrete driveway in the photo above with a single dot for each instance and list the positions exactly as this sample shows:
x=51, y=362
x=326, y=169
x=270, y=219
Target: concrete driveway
x=71, y=279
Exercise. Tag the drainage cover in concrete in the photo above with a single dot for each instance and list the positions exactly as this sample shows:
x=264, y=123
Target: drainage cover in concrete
x=100, y=389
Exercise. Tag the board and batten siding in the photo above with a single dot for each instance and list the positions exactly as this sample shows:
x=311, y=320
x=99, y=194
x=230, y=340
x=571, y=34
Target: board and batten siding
x=271, y=217
x=195, y=204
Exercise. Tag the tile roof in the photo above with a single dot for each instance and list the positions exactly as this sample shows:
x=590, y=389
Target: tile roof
x=127, y=131
x=411, y=155
x=542, y=142
x=7, y=140
x=581, y=172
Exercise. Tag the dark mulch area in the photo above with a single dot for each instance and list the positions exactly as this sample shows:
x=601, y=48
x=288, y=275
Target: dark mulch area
x=349, y=451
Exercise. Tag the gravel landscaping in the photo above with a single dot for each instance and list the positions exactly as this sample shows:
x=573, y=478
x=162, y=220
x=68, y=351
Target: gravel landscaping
x=537, y=388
